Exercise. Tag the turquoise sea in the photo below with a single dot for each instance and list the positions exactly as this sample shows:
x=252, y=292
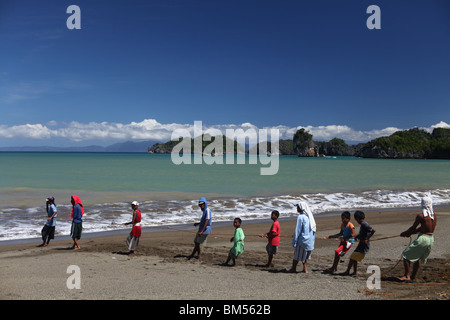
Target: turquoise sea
x=108, y=182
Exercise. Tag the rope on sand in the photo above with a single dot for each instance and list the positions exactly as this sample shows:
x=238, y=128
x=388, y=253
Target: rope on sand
x=368, y=292
x=257, y=235
x=413, y=283
x=384, y=238
x=371, y=240
x=220, y=234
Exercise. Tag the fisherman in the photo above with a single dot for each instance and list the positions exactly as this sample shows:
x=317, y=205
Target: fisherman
x=48, y=231
x=77, y=221
x=420, y=249
x=204, y=228
x=135, y=234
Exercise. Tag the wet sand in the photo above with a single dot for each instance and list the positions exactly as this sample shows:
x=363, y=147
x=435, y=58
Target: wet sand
x=159, y=270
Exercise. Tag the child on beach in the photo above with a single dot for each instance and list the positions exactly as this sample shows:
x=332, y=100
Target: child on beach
x=273, y=237
x=48, y=231
x=238, y=246
x=365, y=233
x=347, y=237
x=135, y=234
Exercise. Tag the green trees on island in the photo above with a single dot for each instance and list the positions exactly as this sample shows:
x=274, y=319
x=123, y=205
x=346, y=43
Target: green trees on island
x=408, y=144
x=414, y=143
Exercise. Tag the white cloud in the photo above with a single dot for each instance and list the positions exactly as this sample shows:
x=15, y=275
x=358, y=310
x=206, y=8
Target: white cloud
x=32, y=131
x=150, y=129
x=441, y=124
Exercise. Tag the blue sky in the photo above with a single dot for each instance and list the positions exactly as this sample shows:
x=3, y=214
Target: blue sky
x=138, y=69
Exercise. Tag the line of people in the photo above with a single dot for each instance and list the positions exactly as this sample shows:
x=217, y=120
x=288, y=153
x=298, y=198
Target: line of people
x=303, y=239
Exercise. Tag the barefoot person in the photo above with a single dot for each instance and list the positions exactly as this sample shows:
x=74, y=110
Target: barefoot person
x=304, y=237
x=273, y=237
x=135, y=234
x=420, y=249
x=204, y=228
x=77, y=221
x=238, y=243
x=347, y=238
x=364, y=235
x=48, y=231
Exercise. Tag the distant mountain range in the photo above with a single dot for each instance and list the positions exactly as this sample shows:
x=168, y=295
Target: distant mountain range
x=128, y=146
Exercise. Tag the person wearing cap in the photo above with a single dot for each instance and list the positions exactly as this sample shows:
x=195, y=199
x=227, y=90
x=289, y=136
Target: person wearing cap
x=135, y=234
x=204, y=228
x=48, y=231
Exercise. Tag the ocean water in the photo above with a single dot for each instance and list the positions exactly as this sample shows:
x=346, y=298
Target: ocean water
x=168, y=193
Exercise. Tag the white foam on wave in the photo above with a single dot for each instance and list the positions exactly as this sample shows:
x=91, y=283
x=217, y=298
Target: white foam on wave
x=20, y=224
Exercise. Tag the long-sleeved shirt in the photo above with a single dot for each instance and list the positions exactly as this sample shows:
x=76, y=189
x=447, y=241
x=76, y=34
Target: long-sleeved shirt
x=304, y=236
x=77, y=214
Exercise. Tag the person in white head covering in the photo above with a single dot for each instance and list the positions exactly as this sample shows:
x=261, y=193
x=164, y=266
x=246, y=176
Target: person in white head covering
x=420, y=249
x=427, y=208
x=304, y=236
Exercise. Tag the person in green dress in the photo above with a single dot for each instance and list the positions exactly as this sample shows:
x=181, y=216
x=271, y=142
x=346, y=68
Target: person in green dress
x=238, y=246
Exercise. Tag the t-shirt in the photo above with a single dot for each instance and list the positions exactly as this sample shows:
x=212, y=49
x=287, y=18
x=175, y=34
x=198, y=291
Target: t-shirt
x=51, y=210
x=206, y=216
x=274, y=229
x=347, y=232
x=364, y=232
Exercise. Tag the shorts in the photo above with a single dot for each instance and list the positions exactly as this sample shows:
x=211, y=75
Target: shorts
x=357, y=256
x=343, y=248
x=200, y=239
x=271, y=249
x=420, y=249
x=300, y=254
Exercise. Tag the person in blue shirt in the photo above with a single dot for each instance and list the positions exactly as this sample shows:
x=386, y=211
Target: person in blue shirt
x=77, y=221
x=48, y=231
x=304, y=237
x=204, y=228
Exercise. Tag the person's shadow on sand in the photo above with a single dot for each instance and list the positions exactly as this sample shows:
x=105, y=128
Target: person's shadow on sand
x=124, y=253
x=64, y=249
x=264, y=267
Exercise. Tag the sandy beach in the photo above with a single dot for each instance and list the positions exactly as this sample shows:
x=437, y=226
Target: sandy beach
x=159, y=270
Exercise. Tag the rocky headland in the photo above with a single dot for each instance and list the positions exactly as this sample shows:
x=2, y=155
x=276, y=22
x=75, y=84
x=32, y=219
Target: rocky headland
x=408, y=144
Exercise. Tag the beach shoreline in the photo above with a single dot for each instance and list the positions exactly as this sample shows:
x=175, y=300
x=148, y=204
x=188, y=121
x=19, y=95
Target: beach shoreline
x=108, y=272
x=187, y=226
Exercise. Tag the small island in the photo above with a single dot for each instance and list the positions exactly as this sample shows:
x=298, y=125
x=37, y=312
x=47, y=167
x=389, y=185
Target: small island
x=407, y=144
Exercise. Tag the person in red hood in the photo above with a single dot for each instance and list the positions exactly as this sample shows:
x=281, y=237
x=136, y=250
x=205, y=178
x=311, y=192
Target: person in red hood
x=77, y=221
